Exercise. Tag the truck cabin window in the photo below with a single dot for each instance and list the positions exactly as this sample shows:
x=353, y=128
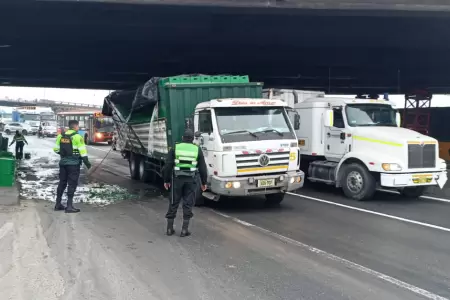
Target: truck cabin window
x=237, y=124
x=338, y=118
x=205, y=122
x=370, y=115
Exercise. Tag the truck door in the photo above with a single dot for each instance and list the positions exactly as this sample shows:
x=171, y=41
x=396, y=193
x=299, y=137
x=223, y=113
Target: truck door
x=203, y=124
x=335, y=146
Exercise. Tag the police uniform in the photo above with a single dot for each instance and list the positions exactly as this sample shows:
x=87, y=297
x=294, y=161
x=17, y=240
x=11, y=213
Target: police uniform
x=183, y=165
x=20, y=141
x=72, y=150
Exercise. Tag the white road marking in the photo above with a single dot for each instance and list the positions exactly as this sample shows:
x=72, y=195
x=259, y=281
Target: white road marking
x=345, y=262
x=5, y=229
x=425, y=197
x=373, y=212
x=101, y=149
x=436, y=199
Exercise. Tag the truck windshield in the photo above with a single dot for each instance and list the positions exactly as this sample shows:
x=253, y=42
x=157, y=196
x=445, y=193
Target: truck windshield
x=370, y=115
x=30, y=117
x=253, y=123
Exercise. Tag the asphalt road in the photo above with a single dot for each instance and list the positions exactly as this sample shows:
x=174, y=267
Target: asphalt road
x=316, y=245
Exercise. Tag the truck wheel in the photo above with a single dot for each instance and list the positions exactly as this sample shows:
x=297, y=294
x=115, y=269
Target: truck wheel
x=274, y=199
x=134, y=166
x=357, y=182
x=413, y=192
x=144, y=175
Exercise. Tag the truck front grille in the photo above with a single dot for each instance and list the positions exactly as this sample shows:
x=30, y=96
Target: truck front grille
x=251, y=162
x=421, y=156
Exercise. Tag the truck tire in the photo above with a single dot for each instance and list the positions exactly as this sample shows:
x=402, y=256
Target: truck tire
x=413, y=192
x=134, y=166
x=274, y=199
x=144, y=175
x=357, y=182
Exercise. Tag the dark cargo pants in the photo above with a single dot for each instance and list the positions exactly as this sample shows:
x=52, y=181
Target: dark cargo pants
x=68, y=176
x=183, y=189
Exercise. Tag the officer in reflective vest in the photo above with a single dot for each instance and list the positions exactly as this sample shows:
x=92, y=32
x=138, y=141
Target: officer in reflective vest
x=183, y=165
x=72, y=150
x=19, y=139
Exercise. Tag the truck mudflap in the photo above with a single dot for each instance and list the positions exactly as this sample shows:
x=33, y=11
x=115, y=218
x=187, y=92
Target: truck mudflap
x=413, y=179
x=257, y=185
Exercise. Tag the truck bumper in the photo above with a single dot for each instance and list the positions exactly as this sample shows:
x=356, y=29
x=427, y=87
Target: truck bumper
x=249, y=185
x=413, y=179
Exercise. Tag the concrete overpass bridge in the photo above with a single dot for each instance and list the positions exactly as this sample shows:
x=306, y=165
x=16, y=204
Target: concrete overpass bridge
x=348, y=47
x=57, y=106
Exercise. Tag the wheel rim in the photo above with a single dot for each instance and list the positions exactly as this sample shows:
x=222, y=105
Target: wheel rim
x=132, y=165
x=355, y=181
x=141, y=169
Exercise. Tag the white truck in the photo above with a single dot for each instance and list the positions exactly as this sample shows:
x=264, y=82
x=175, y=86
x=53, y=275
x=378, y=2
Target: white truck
x=249, y=143
x=357, y=145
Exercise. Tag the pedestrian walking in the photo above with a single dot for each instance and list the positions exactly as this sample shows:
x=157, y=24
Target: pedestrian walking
x=72, y=150
x=20, y=141
x=184, y=163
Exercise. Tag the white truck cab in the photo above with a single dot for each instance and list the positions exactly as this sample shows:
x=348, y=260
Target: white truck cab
x=357, y=144
x=250, y=148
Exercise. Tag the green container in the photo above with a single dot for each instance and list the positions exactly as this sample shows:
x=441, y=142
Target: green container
x=6, y=154
x=178, y=102
x=7, y=165
x=7, y=179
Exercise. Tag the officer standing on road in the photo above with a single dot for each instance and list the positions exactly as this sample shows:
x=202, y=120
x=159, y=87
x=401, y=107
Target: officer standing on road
x=70, y=146
x=181, y=170
x=20, y=140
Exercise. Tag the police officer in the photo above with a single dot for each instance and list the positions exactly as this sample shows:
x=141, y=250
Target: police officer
x=70, y=146
x=19, y=139
x=183, y=165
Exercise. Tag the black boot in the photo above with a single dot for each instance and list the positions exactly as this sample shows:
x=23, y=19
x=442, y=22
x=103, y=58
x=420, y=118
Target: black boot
x=185, y=229
x=70, y=209
x=58, y=205
x=170, y=231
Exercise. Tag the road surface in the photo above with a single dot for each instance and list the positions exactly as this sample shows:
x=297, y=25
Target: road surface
x=316, y=245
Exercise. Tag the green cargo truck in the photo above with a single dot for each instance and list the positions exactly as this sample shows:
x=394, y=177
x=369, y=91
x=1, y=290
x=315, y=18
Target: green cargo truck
x=249, y=143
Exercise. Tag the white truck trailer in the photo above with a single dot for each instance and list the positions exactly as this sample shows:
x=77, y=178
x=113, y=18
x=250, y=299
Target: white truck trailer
x=357, y=145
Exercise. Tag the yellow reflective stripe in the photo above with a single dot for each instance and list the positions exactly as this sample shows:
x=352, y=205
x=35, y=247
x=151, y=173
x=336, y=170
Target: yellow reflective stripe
x=272, y=168
x=361, y=138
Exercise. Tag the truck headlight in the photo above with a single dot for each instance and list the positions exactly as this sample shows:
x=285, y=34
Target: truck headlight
x=236, y=184
x=391, y=167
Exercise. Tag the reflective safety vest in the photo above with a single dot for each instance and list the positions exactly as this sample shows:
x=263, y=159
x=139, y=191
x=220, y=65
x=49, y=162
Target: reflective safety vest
x=19, y=138
x=70, y=145
x=186, y=156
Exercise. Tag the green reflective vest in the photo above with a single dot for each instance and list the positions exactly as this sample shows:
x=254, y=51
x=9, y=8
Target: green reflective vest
x=186, y=156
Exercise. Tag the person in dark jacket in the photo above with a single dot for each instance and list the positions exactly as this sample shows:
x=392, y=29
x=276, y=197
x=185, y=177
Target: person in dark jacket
x=184, y=163
x=20, y=141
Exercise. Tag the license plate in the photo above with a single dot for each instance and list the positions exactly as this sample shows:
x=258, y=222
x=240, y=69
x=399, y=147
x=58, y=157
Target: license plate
x=266, y=182
x=420, y=179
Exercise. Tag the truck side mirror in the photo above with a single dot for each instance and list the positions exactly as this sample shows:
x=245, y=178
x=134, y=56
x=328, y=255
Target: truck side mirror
x=197, y=134
x=398, y=119
x=328, y=118
x=296, y=121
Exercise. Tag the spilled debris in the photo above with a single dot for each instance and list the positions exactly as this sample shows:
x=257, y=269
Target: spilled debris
x=38, y=178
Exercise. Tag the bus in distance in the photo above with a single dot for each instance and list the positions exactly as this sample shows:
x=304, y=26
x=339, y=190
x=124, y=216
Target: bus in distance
x=94, y=126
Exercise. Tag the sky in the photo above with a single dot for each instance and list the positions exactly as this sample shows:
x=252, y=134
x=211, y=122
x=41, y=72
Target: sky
x=96, y=96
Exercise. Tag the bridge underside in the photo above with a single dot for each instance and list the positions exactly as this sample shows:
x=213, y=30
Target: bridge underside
x=111, y=46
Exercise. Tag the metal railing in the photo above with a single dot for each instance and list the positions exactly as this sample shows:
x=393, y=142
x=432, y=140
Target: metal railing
x=44, y=102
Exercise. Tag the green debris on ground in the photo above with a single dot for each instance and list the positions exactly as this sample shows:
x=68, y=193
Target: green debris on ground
x=108, y=193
